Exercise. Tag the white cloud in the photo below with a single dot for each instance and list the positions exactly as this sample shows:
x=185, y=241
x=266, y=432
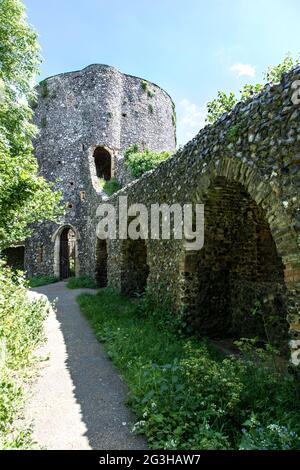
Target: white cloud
x=242, y=70
x=191, y=118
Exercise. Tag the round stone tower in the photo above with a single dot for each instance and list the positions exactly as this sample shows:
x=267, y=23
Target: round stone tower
x=86, y=120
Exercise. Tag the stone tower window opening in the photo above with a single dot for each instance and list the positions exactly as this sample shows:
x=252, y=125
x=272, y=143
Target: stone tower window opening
x=103, y=163
x=15, y=257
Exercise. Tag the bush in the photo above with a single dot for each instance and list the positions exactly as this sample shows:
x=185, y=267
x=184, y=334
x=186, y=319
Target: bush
x=82, y=282
x=21, y=324
x=275, y=73
x=38, y=281
x=185, y=394
x=110, y=187
x=141, y=161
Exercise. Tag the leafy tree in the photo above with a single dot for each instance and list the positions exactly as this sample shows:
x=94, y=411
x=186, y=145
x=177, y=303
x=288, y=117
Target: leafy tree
x=25, y=197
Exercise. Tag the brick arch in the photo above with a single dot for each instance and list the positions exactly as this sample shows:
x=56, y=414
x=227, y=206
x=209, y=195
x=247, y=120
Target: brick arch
x=276, y=242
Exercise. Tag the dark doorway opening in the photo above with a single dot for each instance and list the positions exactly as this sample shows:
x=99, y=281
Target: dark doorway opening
x=67, y=253
x=102, y=163
x=101, y=262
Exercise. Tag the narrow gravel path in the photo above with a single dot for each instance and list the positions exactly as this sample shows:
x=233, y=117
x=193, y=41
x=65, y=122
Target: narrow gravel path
x=78, y=400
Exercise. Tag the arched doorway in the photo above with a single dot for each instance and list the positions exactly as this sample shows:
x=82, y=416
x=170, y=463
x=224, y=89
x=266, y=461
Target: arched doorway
x=135, y=270
x=234, y=287
x=101, y=262
x=103, y=163
x=65, y=253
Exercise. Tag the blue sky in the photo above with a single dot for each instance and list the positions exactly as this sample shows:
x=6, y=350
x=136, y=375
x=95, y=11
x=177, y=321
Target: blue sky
x=192, y=48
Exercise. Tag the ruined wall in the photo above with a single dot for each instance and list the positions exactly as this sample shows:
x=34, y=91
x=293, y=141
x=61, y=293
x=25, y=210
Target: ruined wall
x=75, y=113
x=257, y=147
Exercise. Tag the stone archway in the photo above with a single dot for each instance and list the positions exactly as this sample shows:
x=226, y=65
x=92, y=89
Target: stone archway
x=134, y=267
x=240, y=283
x=66, y=262
x=103, y=163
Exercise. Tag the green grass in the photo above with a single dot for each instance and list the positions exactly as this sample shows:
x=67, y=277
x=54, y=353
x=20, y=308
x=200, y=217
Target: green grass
x=38, y=281
x=82, y=282
x=110, y=187
x=185, y=394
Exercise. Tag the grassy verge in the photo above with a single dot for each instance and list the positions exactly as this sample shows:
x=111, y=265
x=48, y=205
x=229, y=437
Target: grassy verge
x=184, y=394
x=38, y=281
x=21, y=324
x=82, y=282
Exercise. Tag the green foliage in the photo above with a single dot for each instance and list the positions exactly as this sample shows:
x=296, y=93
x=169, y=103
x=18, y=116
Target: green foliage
x=151, y=109
x=111, y=186
x=150, y=94
x=248, y=91
x=152, y=305
x=141, y=161
x=174, y=117
x=274, y=73
x=225, y=103
x=25, y=197
x=131, y=149
x=38, y=281
x=222, y=104
x=82, y=282
x=184, y=394
x=21, y=322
